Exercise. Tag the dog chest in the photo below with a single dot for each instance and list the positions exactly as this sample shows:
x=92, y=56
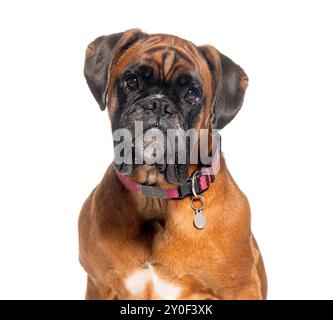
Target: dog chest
x=147, y=283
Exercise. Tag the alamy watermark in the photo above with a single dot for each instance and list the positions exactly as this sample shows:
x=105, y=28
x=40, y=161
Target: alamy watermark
x=155, y=146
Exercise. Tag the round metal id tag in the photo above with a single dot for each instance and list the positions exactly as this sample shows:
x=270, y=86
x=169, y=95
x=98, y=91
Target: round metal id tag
x=199, y=219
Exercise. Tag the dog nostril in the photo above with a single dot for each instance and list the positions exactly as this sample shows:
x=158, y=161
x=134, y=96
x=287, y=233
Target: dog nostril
x=148, y=106
x=156, y=104
x=152, y=105
x=160, y=106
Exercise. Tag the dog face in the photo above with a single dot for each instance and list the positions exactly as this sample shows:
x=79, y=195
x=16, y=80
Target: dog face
x=166, y=83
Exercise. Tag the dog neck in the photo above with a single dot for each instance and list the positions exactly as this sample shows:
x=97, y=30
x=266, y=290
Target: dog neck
x=144, y=215
x=199, y=182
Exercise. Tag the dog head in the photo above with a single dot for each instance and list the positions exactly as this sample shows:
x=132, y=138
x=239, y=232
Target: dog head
x=163, y=82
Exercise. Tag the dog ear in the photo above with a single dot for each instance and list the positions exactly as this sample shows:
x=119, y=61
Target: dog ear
x=100, y=55
x=229, y=86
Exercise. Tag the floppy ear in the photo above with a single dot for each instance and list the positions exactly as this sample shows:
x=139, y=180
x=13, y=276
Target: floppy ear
x=229, y=85
x=100, y=55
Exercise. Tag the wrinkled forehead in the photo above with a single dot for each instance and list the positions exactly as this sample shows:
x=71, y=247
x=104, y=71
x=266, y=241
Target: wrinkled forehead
x=169, y=56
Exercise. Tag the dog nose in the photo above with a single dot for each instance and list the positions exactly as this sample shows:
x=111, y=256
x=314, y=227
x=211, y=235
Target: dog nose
x=160, y=106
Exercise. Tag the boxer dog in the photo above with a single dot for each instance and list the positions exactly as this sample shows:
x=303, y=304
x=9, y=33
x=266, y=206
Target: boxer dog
x=167, y=230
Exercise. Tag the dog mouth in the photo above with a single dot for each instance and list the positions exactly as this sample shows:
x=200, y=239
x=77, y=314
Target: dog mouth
x=173, y=173
x=150, y=149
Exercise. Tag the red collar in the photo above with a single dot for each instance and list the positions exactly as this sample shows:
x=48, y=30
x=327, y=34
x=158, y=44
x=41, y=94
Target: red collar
x=201, y=182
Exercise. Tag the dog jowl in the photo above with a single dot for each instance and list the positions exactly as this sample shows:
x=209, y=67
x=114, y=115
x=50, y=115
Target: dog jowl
x=162, y=83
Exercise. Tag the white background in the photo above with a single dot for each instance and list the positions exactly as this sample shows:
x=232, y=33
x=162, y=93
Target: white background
x=56, y=143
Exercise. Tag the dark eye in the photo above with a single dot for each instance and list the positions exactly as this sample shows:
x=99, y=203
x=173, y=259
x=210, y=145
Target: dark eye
x=192, y=95
x=131, y=83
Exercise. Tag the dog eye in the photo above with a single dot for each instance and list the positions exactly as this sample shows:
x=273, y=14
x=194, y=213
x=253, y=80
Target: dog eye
x=192, y=95
x=131, y=83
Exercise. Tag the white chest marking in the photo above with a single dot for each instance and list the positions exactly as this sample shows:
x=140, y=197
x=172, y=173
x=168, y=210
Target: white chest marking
x=137, y=282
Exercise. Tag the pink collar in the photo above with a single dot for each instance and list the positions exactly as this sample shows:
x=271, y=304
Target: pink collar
x=201, y=182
